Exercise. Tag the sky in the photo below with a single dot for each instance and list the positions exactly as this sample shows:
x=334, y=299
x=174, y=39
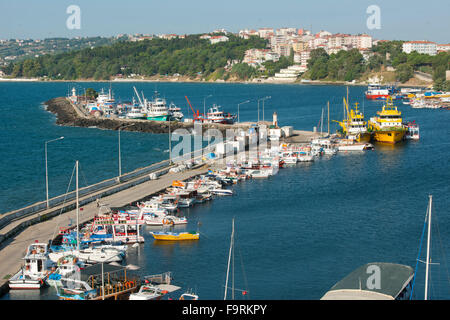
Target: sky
x=399, y=19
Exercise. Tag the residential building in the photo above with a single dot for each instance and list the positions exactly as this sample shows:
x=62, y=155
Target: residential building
x=443, y=47
x=217, y=39
x=425, y=47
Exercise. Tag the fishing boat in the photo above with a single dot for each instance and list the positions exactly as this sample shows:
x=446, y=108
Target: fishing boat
x=66, y=266
x=376, y=92
x=98, y=282
x=175, y=112
x=136, y=112
x=412, y=131
x=216, y=115
x=175, y=236
x=354, y=126
x=157, y=109
x=35, y=270
x=387, y=127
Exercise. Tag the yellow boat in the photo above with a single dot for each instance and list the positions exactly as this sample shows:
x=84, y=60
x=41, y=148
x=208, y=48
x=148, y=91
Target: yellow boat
x=174, y=236
x=387, y=127
x=354, y=127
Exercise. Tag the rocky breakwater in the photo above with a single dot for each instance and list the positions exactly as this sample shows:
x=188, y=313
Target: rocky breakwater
x=70, y=115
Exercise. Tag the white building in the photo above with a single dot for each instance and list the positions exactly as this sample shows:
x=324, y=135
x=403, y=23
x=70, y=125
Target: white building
x=443, y=47
x=425, y=47
x=217, y=39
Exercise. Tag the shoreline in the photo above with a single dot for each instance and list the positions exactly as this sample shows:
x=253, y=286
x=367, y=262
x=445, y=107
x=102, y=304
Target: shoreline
x=169, y=80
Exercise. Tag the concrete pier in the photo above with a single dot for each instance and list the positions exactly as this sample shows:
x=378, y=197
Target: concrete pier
x=13, y=249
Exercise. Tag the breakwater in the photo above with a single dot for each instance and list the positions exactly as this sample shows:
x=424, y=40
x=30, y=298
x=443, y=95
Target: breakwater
x=68, y=114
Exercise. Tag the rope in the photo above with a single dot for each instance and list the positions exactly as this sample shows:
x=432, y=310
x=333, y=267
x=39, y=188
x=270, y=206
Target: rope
x=65, y=197
x=418, y=256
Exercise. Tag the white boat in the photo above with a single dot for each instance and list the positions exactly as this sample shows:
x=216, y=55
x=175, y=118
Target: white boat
x=94, y=255
x=351, y=145
x=305, y=157
x=148, y=292
x=289, y=158
x=189, y=296
x=157, y=109
x=35, y=270
x=258, y=174
x=160, y=220
x=222, y=192
x=325, y=145
x=67, y=266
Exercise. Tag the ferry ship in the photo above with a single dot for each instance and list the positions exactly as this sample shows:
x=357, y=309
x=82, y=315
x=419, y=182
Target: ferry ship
x=387, y=126
x=354, y=126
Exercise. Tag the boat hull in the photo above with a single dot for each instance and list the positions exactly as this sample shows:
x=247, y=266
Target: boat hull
x=388, y=136
x=176, y=237
x=158, y=118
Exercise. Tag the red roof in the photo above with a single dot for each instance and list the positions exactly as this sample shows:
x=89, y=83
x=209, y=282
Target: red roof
x=420, y=42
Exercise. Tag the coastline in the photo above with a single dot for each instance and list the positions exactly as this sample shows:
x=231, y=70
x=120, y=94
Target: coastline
x=172, y=80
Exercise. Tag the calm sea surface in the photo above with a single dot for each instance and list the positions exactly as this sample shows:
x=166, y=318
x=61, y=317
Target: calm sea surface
x=297, y=233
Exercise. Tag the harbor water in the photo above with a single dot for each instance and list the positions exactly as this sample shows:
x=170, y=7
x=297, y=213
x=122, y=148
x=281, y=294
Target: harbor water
x=297, y=233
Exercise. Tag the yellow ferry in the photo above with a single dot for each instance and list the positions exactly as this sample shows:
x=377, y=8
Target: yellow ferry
x=354, y=126
x=173, y=236
x=387, y=126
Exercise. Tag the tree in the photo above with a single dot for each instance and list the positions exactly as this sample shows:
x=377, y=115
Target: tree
x=91, y=93
x=404, y=72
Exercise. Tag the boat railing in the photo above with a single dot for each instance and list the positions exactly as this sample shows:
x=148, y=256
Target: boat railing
x=162, y=278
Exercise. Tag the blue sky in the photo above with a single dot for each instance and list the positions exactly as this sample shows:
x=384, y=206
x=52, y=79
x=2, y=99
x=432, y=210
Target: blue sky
x=400, y=19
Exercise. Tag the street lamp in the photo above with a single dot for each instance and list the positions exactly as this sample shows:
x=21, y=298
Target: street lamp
x=120, y=162
x=46, y=167
x=239, y=105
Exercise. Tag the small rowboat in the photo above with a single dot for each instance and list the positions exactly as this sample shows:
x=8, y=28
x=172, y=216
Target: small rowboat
x=174, y=236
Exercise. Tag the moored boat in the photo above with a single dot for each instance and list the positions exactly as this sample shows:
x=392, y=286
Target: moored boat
x=387, y=127
x=175, y=236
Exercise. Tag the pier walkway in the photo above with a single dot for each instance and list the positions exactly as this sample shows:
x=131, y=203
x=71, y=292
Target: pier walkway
x=13, y=249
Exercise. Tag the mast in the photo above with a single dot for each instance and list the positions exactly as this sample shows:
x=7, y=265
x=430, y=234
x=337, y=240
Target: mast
x=328, y=104
x=428, y=247
x=78, y=210
x=321, y=124
x=229, y=260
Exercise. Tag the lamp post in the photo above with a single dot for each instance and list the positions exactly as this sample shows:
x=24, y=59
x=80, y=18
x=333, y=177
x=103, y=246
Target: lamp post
x=239, y=105
x=263, y=105
x=120, y=161
x=268, y=97
x=46, y=167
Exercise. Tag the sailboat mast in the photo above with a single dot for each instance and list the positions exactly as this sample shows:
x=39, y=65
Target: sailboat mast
x=321, y=124
x=428, y=247
x=78, y=210
x=229, y=260
x=328, y=104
